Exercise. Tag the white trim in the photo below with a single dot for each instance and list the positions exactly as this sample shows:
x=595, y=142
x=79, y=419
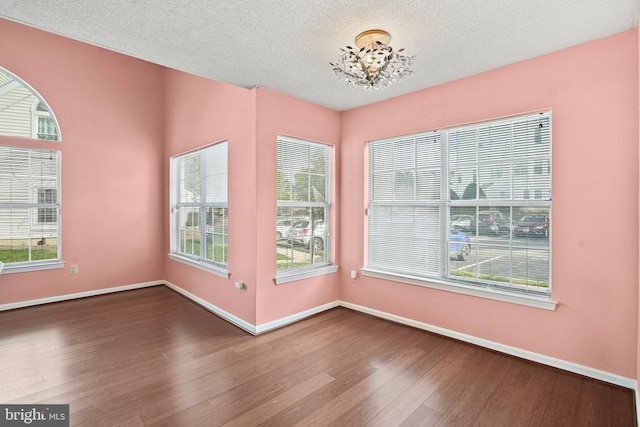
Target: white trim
x=265, y=327
x=59, y=298
x=459, y=288
x=211, y=268
x=492, y=345
x=637, y=398
x=32, y=266
x=285, y=276
x=242, y=324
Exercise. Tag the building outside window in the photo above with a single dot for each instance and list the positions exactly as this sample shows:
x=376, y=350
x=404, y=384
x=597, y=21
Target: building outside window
x=439, y=211
x=199, y=212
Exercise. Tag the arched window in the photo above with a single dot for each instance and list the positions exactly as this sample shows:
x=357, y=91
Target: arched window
x=29, y=181
x=23, y=112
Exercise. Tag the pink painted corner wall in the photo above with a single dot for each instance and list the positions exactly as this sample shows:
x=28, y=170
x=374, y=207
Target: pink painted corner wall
x=121, y=119
x=200, y=112
x=279, y=114
x=110, y=113
x=592, y=90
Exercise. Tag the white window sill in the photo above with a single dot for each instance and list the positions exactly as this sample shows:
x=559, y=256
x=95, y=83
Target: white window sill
x=303, y=273
x=32, y=266
x=490, y=293
x=211, y=268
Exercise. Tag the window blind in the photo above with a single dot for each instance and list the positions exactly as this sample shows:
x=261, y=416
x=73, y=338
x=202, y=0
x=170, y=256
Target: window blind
x=29, y=205
x=201, y=208
x=302, y=188
x=466, y=204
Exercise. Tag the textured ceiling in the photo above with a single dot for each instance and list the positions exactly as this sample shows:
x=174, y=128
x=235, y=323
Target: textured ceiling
x=287, y=45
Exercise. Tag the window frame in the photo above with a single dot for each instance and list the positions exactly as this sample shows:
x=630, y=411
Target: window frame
x=314, y=268
x=34, y=209
x=176, y=253
x=443, y=279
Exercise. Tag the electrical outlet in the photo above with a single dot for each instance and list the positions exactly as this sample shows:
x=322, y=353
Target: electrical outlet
x=239, y=285
x=73, y=269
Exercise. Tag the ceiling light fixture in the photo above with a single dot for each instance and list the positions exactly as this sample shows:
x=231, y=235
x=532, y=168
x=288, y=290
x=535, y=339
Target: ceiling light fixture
x=372, y=64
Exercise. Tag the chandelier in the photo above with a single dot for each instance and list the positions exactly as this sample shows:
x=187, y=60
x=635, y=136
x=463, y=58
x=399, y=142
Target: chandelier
x=372, y=64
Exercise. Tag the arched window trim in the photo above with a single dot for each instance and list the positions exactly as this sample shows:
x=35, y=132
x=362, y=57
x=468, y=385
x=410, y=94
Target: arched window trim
x=34, y=113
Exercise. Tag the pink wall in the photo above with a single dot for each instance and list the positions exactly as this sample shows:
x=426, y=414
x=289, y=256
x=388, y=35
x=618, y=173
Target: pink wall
x=283, y=115
x=110, y=113
x=122, y=119
x=592, y=90
x=200, y=112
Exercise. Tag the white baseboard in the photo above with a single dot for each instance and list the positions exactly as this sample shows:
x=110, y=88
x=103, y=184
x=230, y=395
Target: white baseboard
x=513, y=351
x=637, y=405
x=265, y=327
x=59, y=298
x=242, y=324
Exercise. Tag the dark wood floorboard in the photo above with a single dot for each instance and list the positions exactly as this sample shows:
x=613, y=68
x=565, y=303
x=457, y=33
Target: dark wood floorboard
x=151, y=357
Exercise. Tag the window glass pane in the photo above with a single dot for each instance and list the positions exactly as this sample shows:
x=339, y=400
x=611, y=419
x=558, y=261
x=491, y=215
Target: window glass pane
x=305, y=241
x=404, y=185
x=216, y=235
x=302, y=204
x=382, y=185
x=500, y=244
x=463, y=146
x=190, y=187
x=189, y=219
x=428, y=184
x=22, y=112
x=47, y=129
x=428, y=150
x=29, y=230
x=404, y=154
x=382, y=156
x=464, y=183
x=201, y=204
x=405, y=238
x=214, y=162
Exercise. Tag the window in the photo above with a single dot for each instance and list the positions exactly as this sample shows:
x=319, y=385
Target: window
x=199, y=208
x=47, y=196
x=23, y=112
x=29, y=207
x=421, y=185
x=44, y=123
x=303, y=203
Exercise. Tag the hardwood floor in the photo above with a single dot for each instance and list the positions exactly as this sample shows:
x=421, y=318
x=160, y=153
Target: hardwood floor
x=151, y=357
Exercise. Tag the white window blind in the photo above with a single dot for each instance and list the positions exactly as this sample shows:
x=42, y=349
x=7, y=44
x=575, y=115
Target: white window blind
x=29, y=205
x=200, y=211
x=303, y=203
x=468, y=205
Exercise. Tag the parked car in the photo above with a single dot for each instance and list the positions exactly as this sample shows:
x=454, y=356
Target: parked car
x=283, y=228
x=492, y=222
x=459, y=245
x=463, y=222
x=301, y=233
x=532, y=225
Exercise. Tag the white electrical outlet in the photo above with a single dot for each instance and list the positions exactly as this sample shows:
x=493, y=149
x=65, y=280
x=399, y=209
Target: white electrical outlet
x=239, y=285
x=73, y=269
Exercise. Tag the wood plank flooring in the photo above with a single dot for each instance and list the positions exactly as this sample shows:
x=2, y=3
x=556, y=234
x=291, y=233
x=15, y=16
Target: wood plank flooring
x=151, y=357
